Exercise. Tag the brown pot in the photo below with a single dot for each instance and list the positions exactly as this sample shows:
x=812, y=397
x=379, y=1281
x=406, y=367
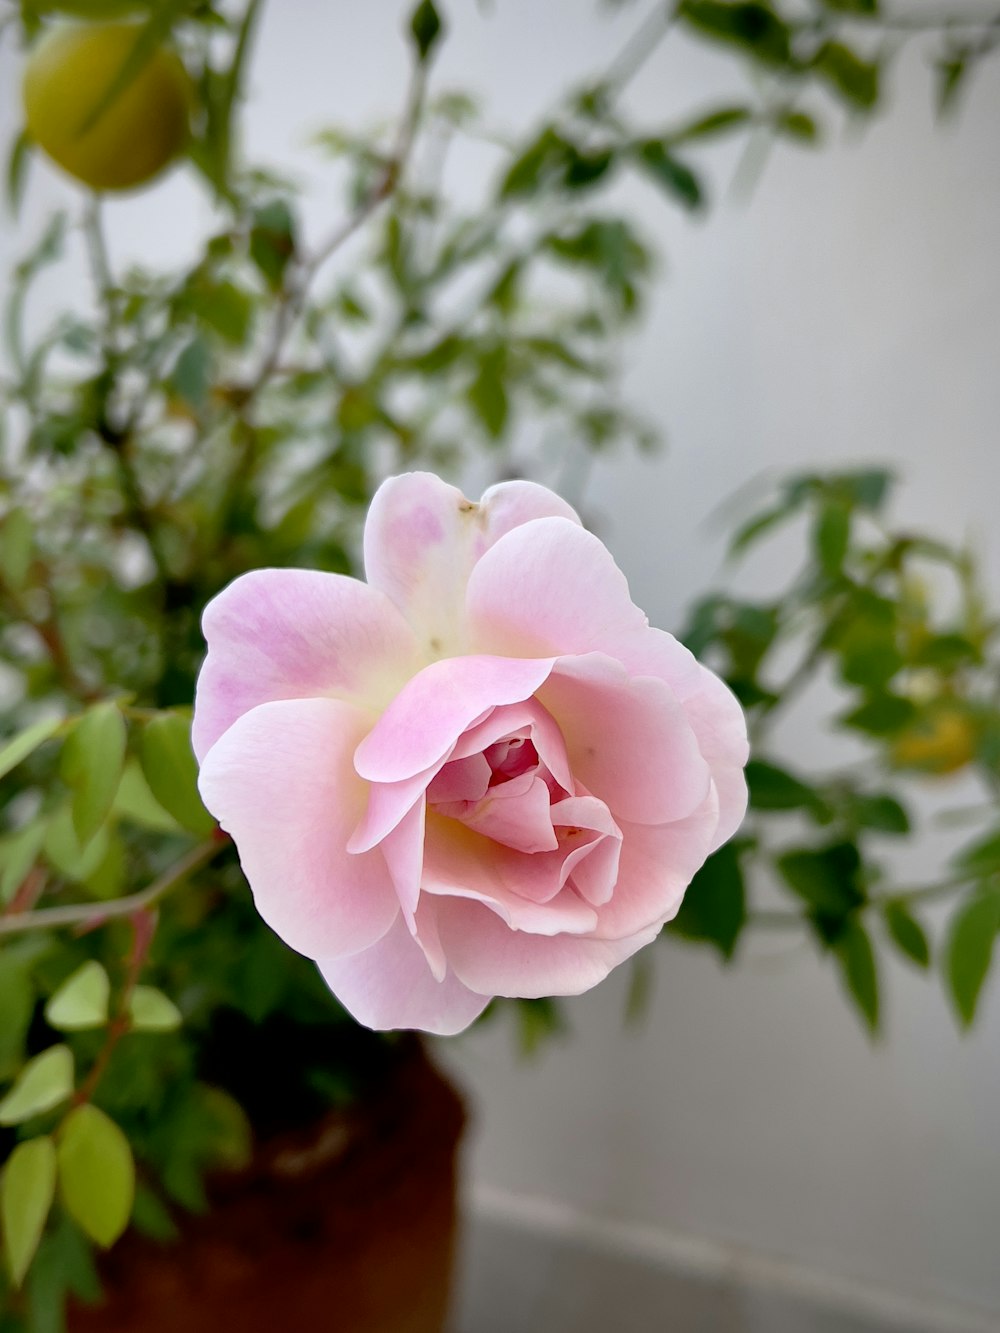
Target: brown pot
x=348, y=1226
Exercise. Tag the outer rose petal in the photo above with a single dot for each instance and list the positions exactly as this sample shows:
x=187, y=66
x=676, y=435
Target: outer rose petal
x=282, y=782
x=549, y=588
x=486, y=954
x=422, y=724
x=721, y=728
x=656, y=866
x=390, y=985
x=629, y=741
x=423, y=537
x=297, y=634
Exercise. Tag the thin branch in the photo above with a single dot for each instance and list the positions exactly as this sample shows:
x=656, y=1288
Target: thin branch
x=87, y=916
x=638, y=49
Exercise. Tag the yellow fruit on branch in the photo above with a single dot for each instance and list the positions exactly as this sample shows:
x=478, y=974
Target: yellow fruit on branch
x=942, y=740
x=109, y=140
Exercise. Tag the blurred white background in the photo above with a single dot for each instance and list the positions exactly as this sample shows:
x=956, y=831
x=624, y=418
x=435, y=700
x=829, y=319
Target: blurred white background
x=850, y=311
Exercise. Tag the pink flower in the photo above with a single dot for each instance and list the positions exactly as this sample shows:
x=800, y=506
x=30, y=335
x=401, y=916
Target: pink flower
x=480, y=773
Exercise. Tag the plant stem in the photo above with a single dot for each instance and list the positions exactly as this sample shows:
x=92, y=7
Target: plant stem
x=87, y=916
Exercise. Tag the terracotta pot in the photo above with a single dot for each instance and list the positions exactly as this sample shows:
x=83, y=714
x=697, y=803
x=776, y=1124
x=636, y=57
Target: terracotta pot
x=346, y=1226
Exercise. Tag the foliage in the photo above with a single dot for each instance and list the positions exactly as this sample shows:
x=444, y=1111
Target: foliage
x=238, y=412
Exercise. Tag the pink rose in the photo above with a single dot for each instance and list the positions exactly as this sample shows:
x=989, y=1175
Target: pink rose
x=481, y=773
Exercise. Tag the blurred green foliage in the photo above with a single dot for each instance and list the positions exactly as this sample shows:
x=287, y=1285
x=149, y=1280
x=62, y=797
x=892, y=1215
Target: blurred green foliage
x=238, y=411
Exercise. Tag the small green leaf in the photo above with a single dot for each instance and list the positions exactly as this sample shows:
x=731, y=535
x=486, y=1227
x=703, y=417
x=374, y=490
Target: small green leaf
x=675, y=177
x=42, y=1084
x=26, y=742
x=907, y=933
x=826, y=878
x=64, y=852
x=18, y=853
x=881, y=714
x=714, y=906
x=26, y=1193
x=152, y=1011
x=136, y=804
x=191, y=377
x=171, y=770
x=272, y=241
x=853, y=951
x=983, y=857
x=754, y=27
x=17, y=171
x=488, y=392
x=91, y=763
x=96, y=1173
x=796, y=125
x=832, y=536
x=16, y=541
x=774, y=788
x=881, y=812
x=426, y=27
x=81, y=1002
x=854, y=79
x=969, y=950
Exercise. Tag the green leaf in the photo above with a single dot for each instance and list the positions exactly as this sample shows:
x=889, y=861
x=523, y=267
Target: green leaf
x=64, y=852
x=272, y=241
x=42, y=1084
x=796, y=125
x=826, y=878
x=427, y=28
x=774, y=788
x=18, y=853
x=882, y=813
x=171, y=770
x=755, y=28
x=713, y=124
x=854, y=79
x=881, y=715
x=191, y=377
x=488, y=392
x=983, y=857
x=831, y=536
x=16, y=542
x=757, y=527
x=136, y=804
x=81, y=1002
x=673, y=176
x=96, y=1173
x=17, y=1006
x=853, y=951
x=224, y=308
x=17, y=171
x=969, y=950
x=907, y=933
x=714, y=906
x=91, y=763
x=26, y=1193
x=26, y=742
x=151, y=1217
x=152, y=1011
x=539, y=161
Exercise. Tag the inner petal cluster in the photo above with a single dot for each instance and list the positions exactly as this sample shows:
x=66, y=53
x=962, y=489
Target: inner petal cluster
x=515, y=788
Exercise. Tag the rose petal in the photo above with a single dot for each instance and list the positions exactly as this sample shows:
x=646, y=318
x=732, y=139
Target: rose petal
x=628, y=739
x=390, y=985
x=549, y=587
x=515, y=814
x=463, y=864
x=593, y=866
x=422, y=724
x=656, y=865
x=423, y=537
x=282, y=782
x=487, y=955
x=295, y=634
x=720, y=725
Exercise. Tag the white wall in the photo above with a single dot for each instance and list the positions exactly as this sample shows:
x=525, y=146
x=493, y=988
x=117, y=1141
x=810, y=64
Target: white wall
x=851, y=311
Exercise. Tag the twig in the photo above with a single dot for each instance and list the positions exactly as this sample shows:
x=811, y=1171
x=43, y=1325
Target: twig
x=87, y=916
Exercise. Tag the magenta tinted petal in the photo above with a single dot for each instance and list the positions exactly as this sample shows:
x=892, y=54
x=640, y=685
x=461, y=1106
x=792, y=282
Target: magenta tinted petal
x=281, y=781
x=423, y=537
x=296, y=634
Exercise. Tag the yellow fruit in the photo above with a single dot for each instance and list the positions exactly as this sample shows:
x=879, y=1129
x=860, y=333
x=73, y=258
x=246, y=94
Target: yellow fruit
x=113, y=146
x=941, y=741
